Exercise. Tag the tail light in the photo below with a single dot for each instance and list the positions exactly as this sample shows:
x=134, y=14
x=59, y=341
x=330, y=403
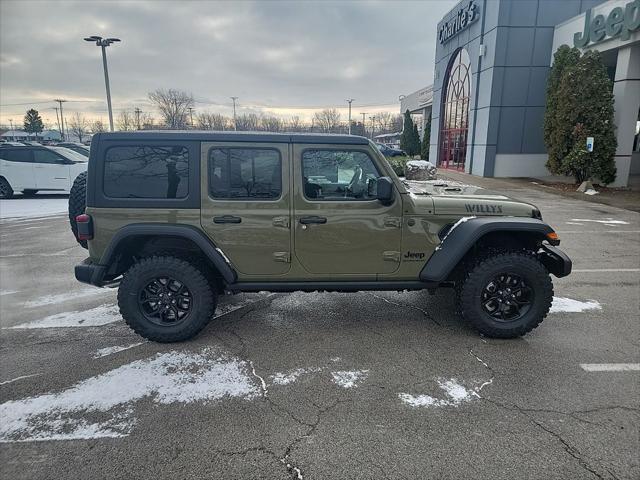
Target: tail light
x=84, y=224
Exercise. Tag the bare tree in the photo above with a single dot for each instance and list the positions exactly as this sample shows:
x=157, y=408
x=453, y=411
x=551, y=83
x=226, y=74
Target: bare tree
x=173, y=106
x=97, y=126
x=383, y=119
x=294, y=124
x=327, y=120
x=126, y=121
x=212, y=121
x=271, y=124
x=396, y=123
x=79, y=126
x=247, y=122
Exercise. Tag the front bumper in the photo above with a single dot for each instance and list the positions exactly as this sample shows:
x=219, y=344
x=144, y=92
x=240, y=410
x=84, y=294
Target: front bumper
x=556, y=261
x=91, y=273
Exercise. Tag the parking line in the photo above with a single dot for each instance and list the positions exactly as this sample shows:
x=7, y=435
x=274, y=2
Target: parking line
x=610, y=367
x=598, y=270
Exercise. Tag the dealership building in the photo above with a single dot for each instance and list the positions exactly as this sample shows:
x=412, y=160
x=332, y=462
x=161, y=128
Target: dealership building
x=493, y=57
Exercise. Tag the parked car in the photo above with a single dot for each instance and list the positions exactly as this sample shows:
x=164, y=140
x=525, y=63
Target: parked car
x=76, y=147
x=29, y=169
x=388, y=151
x=177, y=219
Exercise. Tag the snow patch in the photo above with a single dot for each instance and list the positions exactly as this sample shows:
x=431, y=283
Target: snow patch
x=103, y=352
x=7, y=292
x=94, y=317
x=569, y=305
x=63, y=297
x=33, y=208
x=173, y=377
x=281, y=378
x=455, y=392
x=349, y=379
x=591, y=191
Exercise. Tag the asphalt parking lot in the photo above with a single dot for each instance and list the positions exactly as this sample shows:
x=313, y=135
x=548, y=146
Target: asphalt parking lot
x=314, y=386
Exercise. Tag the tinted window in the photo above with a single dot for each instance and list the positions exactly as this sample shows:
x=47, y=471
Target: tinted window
x=46, y=156
x=245, y=173
x=339, y=175
x=21, y=155
x=146, y=172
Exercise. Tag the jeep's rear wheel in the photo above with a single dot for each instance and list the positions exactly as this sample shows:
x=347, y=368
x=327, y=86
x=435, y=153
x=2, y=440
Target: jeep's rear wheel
x=5, y=189
x=506, y=295
x=77, y=204
x=166, y=299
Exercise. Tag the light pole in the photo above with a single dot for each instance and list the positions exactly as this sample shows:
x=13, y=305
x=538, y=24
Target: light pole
x=12, y=134
x=364, y=125
x=103, y=43
x=191, y=115
x=349, y=102
x=235, y=125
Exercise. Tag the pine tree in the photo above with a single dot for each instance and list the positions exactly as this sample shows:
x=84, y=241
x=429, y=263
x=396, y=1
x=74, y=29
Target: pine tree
x=557, y=134
x=407, y=132
x=426, y=137
x=585, y=109
x=33, y=122
x=415, y=141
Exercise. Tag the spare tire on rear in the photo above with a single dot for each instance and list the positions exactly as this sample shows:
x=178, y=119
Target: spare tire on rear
x=77, y=203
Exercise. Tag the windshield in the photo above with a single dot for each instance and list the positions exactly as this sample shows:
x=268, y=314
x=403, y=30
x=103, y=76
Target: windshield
x=70, y=154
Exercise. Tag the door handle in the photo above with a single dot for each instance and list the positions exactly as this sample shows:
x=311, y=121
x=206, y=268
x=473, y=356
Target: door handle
x=227, y=219
x=313, y=219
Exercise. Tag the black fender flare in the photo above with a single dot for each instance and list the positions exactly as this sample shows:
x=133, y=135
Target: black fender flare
x=462, y=236
x=183, y=231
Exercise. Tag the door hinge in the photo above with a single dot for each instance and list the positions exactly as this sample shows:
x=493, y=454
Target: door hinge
x=393, y=222
x=391, y=256
x=283, y=257
x=281, y=222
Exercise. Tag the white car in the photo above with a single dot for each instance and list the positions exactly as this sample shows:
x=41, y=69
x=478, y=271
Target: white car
x=29, y=169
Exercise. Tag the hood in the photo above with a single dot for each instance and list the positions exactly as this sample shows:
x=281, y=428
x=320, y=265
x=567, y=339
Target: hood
x=454, y=198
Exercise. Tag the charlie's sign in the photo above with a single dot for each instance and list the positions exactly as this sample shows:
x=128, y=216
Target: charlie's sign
x=620, y=22
x=465, y=17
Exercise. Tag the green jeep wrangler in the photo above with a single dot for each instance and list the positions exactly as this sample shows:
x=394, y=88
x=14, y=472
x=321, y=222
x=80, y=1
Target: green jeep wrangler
x=178, y=218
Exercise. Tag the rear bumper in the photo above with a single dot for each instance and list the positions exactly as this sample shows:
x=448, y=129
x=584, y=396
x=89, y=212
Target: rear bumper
x=91, y=273
x=556, y=261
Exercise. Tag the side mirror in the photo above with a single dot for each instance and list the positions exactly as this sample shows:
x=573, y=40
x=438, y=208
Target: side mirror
x=385, y=190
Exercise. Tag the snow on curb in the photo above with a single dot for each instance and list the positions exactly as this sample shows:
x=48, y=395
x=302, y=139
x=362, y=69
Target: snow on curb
x=174, y=377
x=33, y=208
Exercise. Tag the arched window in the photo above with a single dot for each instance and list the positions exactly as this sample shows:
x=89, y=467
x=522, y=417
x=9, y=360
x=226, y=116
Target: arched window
x=455, y=112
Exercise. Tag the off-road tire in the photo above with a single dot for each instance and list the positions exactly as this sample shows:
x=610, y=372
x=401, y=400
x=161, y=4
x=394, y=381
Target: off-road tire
x=141, y=273
x=5, y=189
x=29, y=193
x=77, y=204
x=478, y=275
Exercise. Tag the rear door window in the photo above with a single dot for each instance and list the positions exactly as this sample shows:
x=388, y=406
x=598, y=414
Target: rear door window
x=46, y=156
x=243, y=173
x=18, y=155
x=144, y=171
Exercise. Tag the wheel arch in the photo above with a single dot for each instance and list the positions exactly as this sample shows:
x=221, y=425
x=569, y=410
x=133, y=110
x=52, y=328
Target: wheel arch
x=479, y=234
x=140, y=240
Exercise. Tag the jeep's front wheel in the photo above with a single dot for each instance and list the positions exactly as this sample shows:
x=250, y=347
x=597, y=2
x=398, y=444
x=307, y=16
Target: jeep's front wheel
x=166, y=299
x=506, y=295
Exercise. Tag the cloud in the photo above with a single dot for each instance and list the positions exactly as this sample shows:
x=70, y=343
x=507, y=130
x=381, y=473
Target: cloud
x=280, y=54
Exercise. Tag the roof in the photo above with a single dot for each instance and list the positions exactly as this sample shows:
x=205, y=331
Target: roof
x=213, y=136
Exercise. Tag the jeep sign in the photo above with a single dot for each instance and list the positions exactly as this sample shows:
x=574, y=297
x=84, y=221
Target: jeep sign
x=465, y=17
x=619, y=23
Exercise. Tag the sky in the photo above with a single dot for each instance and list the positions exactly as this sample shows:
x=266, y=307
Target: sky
x=278, y=57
